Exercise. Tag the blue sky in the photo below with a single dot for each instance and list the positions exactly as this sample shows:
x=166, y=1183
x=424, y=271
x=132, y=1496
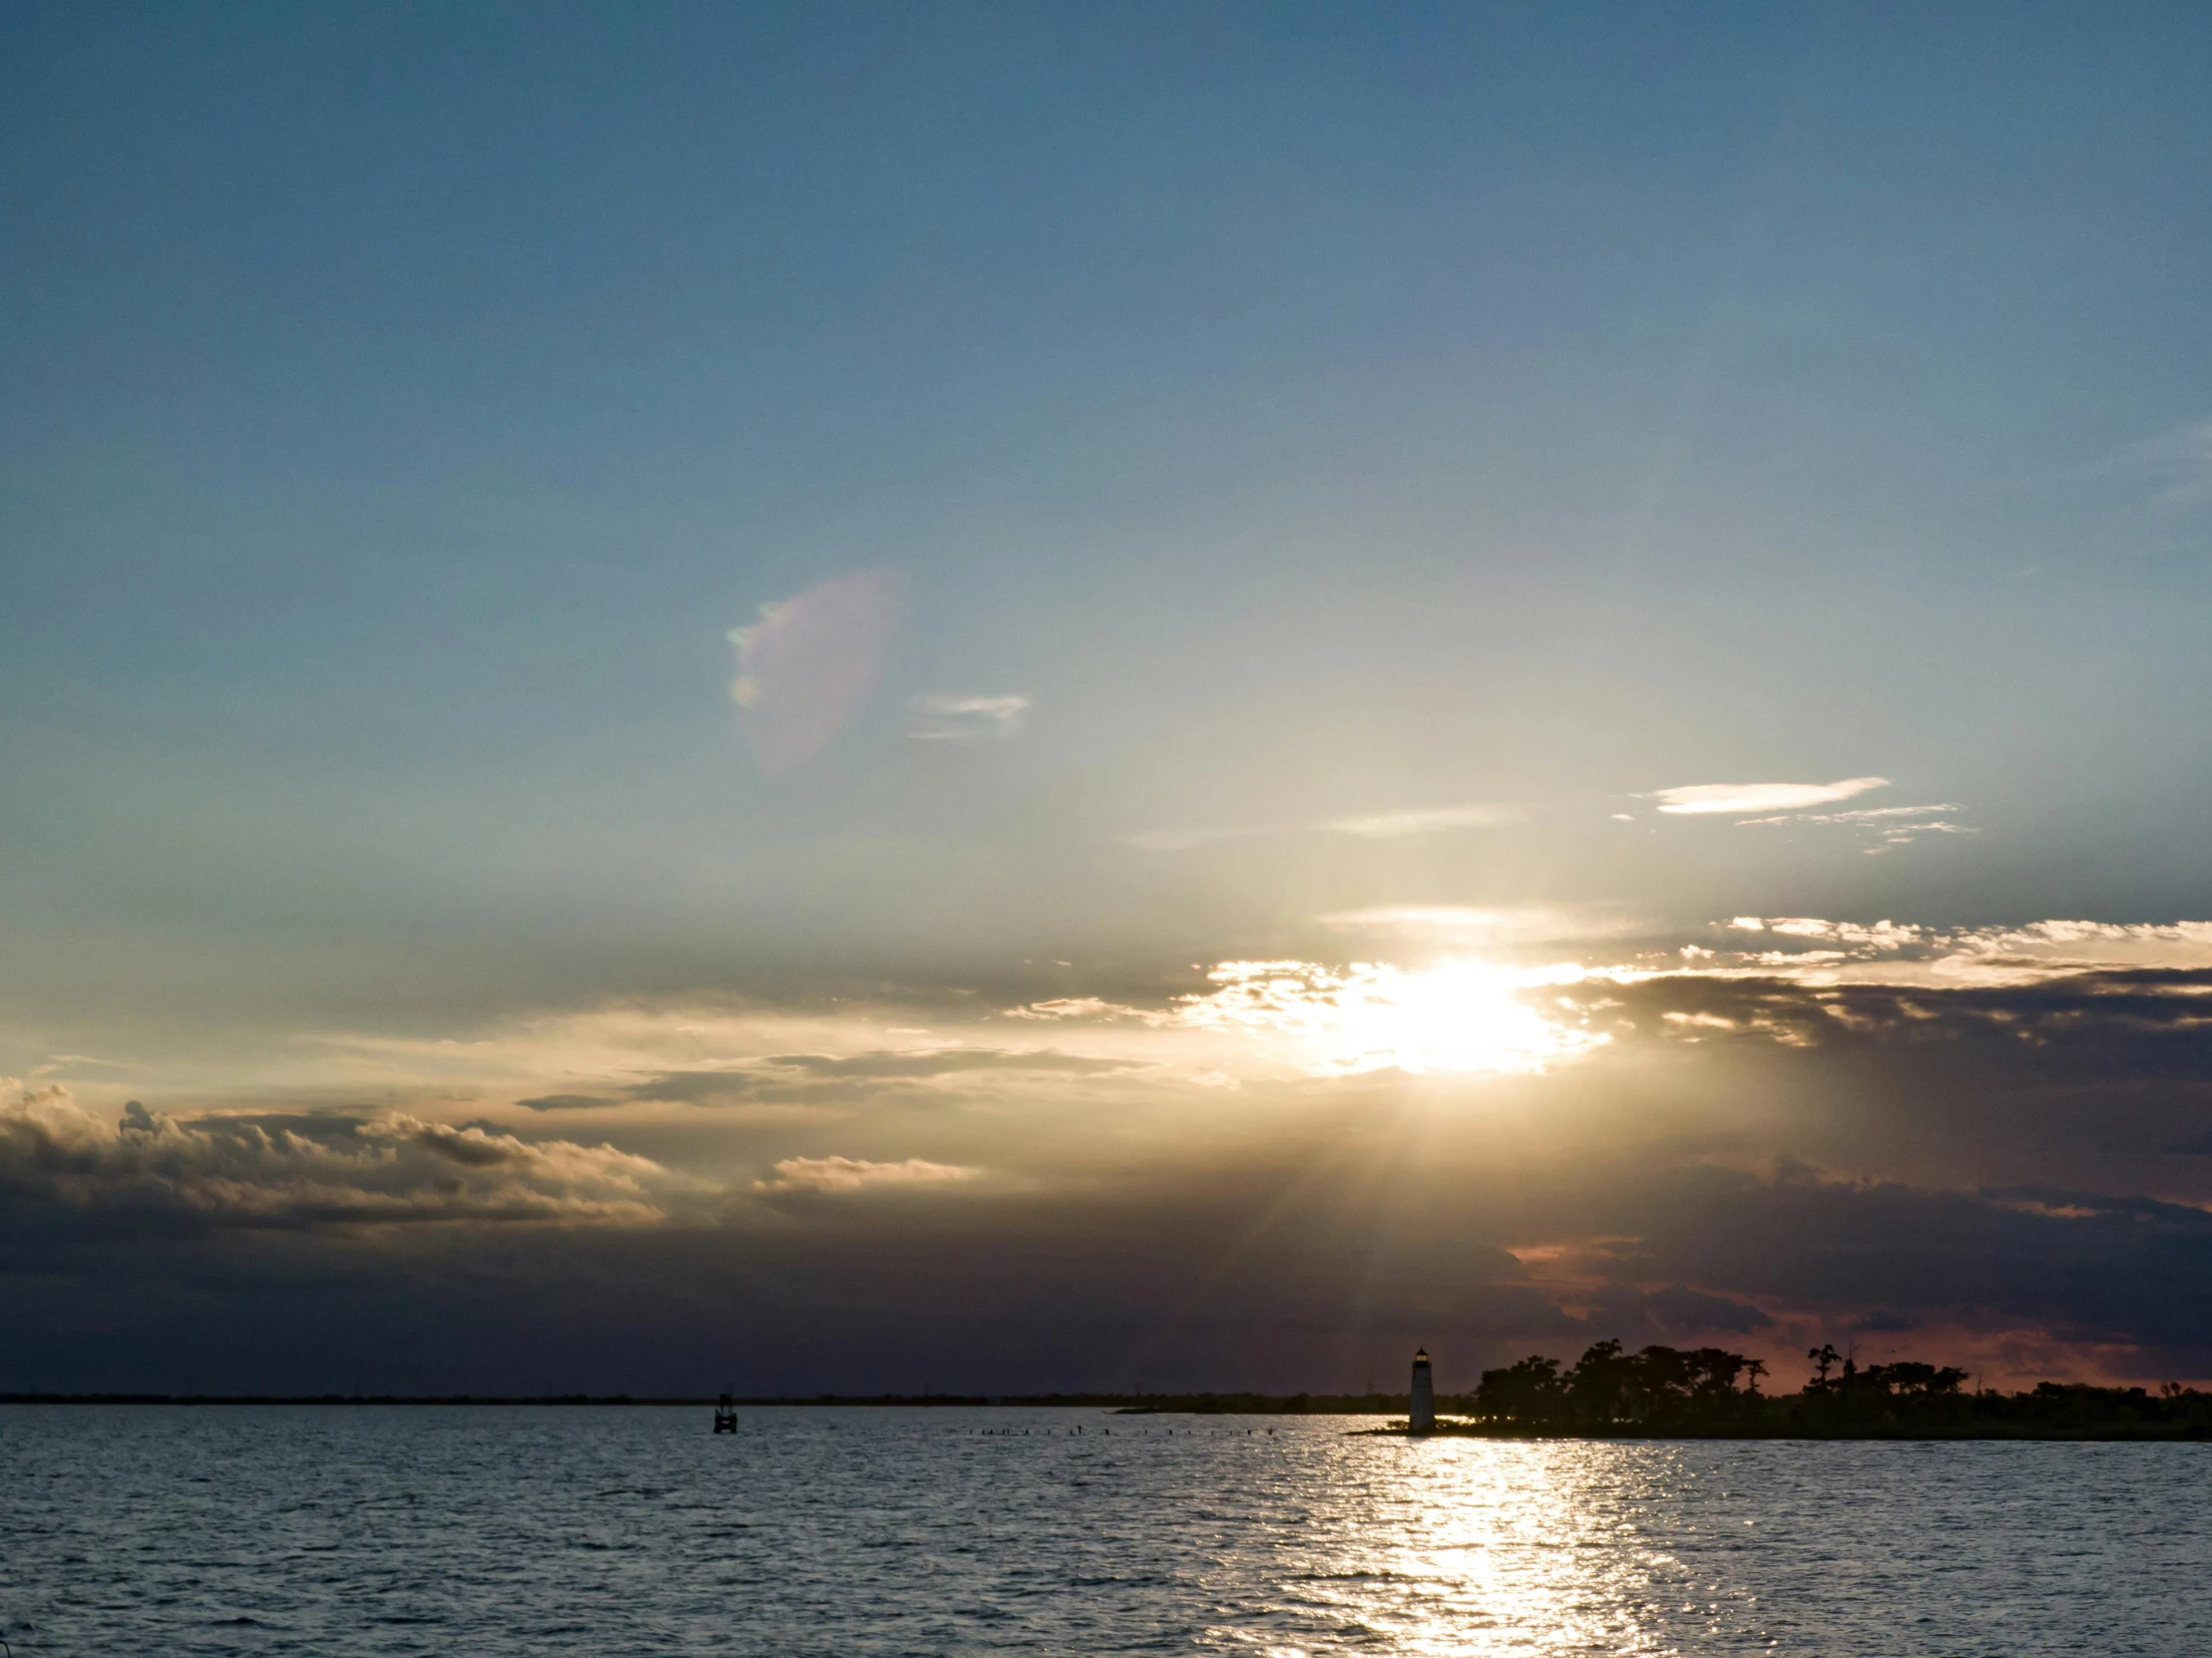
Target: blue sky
x=1261, y=427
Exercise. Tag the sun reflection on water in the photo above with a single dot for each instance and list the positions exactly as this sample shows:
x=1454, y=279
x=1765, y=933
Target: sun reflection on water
x=1458, y=1547
x=1455, y=1016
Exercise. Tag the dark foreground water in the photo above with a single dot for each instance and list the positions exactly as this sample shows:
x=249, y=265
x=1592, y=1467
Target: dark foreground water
x=346, y=1532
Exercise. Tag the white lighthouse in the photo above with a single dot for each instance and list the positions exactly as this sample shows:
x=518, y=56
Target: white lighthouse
x=1421, y=1418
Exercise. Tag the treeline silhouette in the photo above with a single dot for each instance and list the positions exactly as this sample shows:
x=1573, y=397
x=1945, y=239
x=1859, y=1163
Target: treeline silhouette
x=1707, y=1391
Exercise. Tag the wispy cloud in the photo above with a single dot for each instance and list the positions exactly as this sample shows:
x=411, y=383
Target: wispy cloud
x=1888, y=825
x=1462, y=925
x=807, y=1078
x=1182, y=840
x=1869, y=814
x=1423, y=820
x=1743, y=799
x=2181, y=463
x=852, y=1174
x=60, y=1063
x=948, y=1063
x=946, y=716
x=1390, y=826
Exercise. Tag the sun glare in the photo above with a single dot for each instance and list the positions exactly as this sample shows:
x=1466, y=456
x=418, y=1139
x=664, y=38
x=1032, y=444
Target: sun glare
x=1455, y=1016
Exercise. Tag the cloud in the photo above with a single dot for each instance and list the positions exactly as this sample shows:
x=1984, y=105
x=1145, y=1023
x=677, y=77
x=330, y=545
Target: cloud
x=1799, y=982
x=1681, y=1308
x=1430, y=820
x=806, y=667
x=1742, y=799
x=1888, y=825
x=1434, y=990
x=71, y=1062
x=942, y=716
x=946, y=1061
x=1468, y=927
x=1390, y=826
x=1182, y=840
x=1787, y=806
x=292, y=1172
x=1877, y=815
x=1820, y=950
x=1320, y=1212
x=567, y=1103
x=802, y=1077
x=851, y=1174
x=1780, y=803
x=2181, y=462
x=2020, y=1281
x=1087, y=1008
x=2039, y=1019
x=1459, y=1017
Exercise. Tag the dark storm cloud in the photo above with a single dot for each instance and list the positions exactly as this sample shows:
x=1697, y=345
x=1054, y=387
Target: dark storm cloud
x=1678, y=1307
x=1282, y=1274
x=2131, y=1272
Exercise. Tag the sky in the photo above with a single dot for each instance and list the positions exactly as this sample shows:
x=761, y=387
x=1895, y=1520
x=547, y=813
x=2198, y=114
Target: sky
x=854, y=697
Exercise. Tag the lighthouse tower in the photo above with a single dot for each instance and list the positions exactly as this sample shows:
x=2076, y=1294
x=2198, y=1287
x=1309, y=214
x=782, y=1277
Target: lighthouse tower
x=1421, y=1418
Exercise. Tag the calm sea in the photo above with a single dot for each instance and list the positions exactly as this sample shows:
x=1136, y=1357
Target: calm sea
x=359, y=1530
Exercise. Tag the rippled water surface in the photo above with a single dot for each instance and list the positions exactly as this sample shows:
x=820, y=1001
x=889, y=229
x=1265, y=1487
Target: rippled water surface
x=359, y=1530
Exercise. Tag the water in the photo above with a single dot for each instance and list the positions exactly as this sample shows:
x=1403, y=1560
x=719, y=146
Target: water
x=353, y=1531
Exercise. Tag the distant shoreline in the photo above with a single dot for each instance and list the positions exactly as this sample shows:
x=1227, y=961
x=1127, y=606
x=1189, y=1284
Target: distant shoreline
x=1134, y=1403
x=1217, y=1404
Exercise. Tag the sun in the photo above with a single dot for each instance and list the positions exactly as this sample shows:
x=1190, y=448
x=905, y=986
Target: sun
x=1464, y=1017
